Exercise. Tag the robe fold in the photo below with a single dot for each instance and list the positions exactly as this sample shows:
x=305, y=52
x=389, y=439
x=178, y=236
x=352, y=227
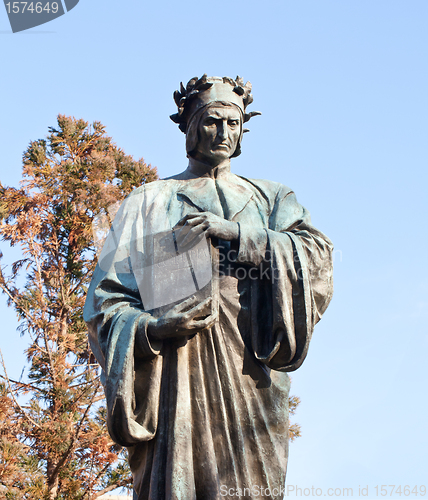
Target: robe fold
x=206, y=417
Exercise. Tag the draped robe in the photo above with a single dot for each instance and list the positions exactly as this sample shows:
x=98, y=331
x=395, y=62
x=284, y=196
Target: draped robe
x=206, y=417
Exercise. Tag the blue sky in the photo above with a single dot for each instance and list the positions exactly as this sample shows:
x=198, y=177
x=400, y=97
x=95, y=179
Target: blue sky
x=343, y=88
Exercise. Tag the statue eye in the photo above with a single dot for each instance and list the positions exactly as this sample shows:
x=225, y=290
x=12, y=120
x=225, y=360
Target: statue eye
x=233, y=123
x=209, y=121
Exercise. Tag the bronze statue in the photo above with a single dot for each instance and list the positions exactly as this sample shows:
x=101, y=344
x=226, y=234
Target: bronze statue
x=194, y=355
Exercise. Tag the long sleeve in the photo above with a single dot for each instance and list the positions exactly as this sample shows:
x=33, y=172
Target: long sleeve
x=117, y=325
x=296, y=282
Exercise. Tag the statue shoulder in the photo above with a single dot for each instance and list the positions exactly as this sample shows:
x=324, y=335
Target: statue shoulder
x=151, y=188
x=182, y=176
x=152, y=192
x=269, y=189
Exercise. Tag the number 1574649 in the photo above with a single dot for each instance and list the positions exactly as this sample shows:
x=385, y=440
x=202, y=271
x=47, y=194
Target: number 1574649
x=33, y=7
x=393, y=490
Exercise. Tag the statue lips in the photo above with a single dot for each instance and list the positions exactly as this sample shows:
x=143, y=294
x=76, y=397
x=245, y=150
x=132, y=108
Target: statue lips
x=222, y=146
x=24, y=19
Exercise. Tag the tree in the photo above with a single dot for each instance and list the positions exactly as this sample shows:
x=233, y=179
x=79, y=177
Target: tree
x=53, y=438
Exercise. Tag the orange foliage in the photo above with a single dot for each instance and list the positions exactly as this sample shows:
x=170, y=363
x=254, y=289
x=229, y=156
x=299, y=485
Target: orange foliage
x=53, y=440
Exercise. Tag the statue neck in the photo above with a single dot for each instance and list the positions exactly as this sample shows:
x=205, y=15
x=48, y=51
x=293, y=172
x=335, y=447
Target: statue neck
x=200, y=169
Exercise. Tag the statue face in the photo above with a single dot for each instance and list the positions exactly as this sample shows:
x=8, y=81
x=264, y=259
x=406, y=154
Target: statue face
x=218, y=134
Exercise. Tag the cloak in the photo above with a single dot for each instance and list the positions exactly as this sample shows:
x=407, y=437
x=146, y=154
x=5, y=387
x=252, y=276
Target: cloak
x=206, y=417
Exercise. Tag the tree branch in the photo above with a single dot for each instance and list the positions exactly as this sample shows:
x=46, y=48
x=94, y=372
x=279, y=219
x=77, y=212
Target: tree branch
x=24, y=413
x=6, y=290
x=29, y=386
x=119, y=484
x=67, y=453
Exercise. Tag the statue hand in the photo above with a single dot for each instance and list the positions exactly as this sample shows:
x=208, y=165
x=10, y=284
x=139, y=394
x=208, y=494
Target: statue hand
x=193, y=226
x=182, y=320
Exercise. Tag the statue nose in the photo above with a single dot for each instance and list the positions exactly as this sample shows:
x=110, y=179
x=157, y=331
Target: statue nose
x=223, y=130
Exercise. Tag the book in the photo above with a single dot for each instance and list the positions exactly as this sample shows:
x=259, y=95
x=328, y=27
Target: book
x=170, y=275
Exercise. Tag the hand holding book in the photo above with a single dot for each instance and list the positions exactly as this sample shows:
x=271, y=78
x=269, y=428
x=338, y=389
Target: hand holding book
x=184, y=319
x=189, y=229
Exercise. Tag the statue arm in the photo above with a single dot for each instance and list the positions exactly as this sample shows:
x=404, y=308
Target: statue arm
x=298, y=289
x=113, y=306
x=117, y=328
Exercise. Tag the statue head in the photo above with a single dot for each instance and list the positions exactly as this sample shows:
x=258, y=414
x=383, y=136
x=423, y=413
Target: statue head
x=212, y=101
